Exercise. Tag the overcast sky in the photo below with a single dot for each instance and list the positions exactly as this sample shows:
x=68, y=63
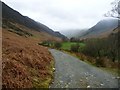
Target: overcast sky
x=63, y=14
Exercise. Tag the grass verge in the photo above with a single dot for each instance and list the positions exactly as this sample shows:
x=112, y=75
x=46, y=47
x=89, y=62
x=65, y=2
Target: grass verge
x=43, y=82
x=114, y=71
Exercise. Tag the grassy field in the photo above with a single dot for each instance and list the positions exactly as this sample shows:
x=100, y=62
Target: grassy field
x=67, y=45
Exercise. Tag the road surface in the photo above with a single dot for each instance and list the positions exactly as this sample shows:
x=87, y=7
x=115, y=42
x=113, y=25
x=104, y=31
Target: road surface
x=70, y=72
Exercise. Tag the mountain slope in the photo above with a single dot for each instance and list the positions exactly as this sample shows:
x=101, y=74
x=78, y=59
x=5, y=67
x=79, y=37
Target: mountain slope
x=14, y=16
x=25, y=64
x=101, y=29
x=73, y=33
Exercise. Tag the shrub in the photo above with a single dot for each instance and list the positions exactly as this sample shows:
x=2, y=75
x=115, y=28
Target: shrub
x=58, y=45
x=45, y=43
x=75, y=48
x=106, y=47
x=73, y=39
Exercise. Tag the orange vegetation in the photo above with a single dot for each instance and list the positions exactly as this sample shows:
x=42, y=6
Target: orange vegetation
x=25, y=63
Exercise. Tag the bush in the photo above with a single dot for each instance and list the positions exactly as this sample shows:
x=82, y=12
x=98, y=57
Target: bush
x=73, y=39
x=58, y=45
x=75, y=48
x=45, y=43
x=106, y=47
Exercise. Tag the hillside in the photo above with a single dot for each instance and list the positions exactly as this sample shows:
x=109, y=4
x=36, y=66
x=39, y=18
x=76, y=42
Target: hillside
x=14, y=16
x=25, y=64
x=102, y=29
x=74, y=32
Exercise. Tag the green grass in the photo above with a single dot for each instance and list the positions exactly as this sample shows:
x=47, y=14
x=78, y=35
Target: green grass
x=67, y=45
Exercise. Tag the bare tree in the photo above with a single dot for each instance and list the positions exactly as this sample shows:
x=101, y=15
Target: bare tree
x=115, y=12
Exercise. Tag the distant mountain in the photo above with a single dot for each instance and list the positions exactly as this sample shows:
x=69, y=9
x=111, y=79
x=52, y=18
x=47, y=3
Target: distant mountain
x=74, y=32
x=102, y=29
x=60, y=35
x=14, y=16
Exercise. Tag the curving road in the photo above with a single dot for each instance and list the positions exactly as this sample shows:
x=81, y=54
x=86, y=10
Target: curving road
x=70, y=72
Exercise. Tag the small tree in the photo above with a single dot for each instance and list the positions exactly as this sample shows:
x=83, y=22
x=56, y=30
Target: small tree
x=115, y=12
x=58, y=45
x=75, y=47
x=73, y=39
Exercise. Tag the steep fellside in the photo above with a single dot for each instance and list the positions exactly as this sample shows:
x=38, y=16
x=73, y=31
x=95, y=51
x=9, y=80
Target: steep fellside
x=14, y=16
x=102, y=29
x=74, y=32
x=25, y=64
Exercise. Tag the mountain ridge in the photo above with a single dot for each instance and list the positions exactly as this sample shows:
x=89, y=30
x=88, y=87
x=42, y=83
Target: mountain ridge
x=74, y=32
x=102, y=29
x=14, y=16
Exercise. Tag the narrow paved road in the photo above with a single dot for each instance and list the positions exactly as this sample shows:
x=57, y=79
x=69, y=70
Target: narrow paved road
x=72, y=73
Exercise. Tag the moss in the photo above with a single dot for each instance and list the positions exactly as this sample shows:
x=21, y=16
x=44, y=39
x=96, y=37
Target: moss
x=39, y=82
x=113, y=71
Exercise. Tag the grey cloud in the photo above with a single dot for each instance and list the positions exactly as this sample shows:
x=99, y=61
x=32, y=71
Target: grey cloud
x=63, y=14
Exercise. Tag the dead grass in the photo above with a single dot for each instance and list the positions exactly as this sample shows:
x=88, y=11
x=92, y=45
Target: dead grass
x=25, y=64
